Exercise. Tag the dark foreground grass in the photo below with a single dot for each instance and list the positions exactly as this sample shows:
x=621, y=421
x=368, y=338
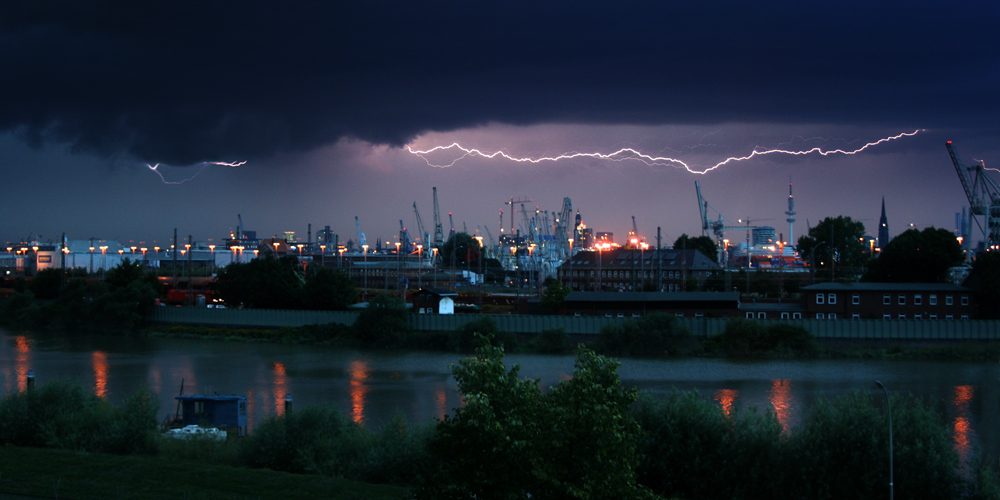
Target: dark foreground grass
x=85, y=476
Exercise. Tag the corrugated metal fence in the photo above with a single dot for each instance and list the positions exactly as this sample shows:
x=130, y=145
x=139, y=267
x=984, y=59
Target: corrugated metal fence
x=863, y=329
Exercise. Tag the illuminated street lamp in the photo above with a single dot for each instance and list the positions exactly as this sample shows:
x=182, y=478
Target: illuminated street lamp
x=104, y=249
x=300, y=245
x=397, y=269
x=435, y=262
x=91, y=256
x=341, y=252
x=420, y=264
x=211, y=248
x=364, y=249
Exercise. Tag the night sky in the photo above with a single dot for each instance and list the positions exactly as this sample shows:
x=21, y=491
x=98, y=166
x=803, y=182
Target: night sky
x=321, y=99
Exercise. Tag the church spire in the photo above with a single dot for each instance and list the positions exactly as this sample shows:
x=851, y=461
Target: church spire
x=883, y=228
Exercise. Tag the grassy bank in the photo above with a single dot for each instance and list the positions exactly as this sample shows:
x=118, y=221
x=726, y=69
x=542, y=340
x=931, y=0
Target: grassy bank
x=84, y=476
x=712, y=347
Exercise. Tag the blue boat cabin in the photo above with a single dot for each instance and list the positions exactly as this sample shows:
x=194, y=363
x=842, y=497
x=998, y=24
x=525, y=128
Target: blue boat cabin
x=226, y=412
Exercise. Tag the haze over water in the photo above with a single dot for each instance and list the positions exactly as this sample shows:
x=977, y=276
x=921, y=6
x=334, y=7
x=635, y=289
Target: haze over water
x=370, y=387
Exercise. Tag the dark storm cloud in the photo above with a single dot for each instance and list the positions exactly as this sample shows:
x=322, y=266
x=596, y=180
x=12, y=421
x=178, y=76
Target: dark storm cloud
x=182, y=82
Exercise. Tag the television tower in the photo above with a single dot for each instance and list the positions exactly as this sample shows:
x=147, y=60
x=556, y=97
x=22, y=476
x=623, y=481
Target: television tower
x=791, y=216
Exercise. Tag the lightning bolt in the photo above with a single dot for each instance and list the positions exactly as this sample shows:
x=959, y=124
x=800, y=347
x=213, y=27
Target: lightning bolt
x=204, y=165
x=632, y=154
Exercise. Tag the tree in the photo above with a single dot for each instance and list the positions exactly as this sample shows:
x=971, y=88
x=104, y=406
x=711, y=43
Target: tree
x=916, y=257
x=509, y=441
x=703, y=244
x=459, y=250
x=264, y=282
x=128, y=271
x=383, y=323
x=328, y=290
x=554, y=295
x=985, y=279
x=836, y=242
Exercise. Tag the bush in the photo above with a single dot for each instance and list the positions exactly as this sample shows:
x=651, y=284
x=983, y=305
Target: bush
x=319, y=440
x=655, y=334
x=383, y=323
x=691, y=449
x=67, y=416
x=552, y=341
x=463, y=338
x=744, y=337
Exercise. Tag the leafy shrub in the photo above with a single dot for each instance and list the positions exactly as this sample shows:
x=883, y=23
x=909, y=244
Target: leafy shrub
x=551, y=340
x=301, y=441
x=744, y=337
x=654, y=334
x=383, y=323
x=67, y=416
x=319, y=440
x=691, y=449
x=463, y=338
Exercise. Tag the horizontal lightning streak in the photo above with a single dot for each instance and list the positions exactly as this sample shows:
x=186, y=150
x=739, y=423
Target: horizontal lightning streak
x=204, y=165
x=631, y=154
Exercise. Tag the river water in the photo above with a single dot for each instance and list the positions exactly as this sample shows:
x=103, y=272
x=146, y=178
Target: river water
x=371, y=386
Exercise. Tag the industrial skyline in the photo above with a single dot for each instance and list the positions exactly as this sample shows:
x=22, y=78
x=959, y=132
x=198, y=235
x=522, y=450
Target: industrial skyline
x=126, y=121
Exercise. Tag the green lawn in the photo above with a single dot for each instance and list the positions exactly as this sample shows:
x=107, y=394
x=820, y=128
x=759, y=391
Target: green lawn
x=84, y=476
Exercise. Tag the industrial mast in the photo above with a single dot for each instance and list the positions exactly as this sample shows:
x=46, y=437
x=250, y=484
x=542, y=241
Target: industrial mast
x=984, y=197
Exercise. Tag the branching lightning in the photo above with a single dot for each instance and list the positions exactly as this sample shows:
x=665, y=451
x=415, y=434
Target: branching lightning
x=632, y=154
x=204, y=165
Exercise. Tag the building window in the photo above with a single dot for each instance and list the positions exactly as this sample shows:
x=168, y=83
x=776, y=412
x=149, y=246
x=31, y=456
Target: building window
x=831, y=316
x=762, y=315
x=699, y=315
x=933, y=316
x=932, y=300
x=886, y=300
x=796, y=315
x=820, y=316
x=784, y=315
x=965, y=300
x=855, y=299
x=948, y=300
x=902, y=299
x=749, y=315
x=948, y=316
x=819, y=298
x=855, y=316
x=918, y=316
x=831, y=299
x=965, y=316
x=918, y=300
x=902, y=316
x=886, y=316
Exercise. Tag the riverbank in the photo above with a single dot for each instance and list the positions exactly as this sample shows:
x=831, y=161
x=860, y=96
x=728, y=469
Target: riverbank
x=337, y=335
x=85, y=476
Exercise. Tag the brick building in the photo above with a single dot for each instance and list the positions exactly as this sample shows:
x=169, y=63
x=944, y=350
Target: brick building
x=622, y=269
x=888, y=301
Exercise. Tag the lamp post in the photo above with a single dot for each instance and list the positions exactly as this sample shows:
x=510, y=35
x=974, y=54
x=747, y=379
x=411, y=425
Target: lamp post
x=600, y=265
x=364, y=292
x=104, y=249
x=420, y=263
x=341, y=251
x=434, y=260
x=210, y=247
x=322, y=255
x=532, y=268
x=91, y=256
x=570, y=263
x=397, y=269
x=10, y=256
x=889, y=410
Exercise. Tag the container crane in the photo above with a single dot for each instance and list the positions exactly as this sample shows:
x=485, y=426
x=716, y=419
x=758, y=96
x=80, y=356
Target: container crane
x=438, y=231
x=362, y=241
x=424, y=236
x=451, y=222
x=984, y=197
x=718, y=227
x=404, y=237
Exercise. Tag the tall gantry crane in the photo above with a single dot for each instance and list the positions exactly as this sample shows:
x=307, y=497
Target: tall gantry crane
x=718, y=227
x=984, y=197
x=438, y=231
x=424, y=236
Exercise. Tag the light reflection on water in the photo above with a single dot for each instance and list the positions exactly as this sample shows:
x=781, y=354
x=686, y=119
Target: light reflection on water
x=370, y=387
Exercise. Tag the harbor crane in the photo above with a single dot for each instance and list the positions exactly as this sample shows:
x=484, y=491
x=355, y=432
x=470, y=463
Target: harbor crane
x=718, y=227
x=984, y=197
x=512, y=210
x=438, y=231
x=424, y=236
x=362, y=241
